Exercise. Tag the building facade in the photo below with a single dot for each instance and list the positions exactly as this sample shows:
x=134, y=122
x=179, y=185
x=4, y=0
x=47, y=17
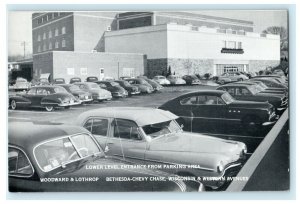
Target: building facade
x=147, y=43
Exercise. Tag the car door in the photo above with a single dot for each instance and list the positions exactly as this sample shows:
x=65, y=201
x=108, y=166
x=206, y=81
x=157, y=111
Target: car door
x=40, y=94
x=126, y=141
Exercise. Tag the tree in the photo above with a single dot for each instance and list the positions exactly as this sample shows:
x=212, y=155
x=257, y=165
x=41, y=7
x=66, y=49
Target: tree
x=282, y=32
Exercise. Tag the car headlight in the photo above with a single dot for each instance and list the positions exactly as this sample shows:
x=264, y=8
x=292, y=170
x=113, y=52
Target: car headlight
x=220, y=167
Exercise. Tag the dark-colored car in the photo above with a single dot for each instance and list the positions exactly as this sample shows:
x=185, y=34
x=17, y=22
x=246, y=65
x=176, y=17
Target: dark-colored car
x=65, y=158
x=74, y=80
x=47, y=97
x=58, y=81
x=91, y=79
x=245, y=92
x=132, y=90
x=262, y=88
x=280, y=79
x=81, y=95
x=191, y=79
x=98, y=94
x=116, y=90
x=156, y=86
x=143, y=85
x=270, y=82
x=217, y=109
x=40, y=82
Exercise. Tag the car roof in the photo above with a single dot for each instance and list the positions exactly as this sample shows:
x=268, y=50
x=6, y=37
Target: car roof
x=141, y=115
x=29, y=134
x=204, y=92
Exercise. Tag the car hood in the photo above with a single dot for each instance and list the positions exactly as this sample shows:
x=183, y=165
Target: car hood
x=79, y=92
x=249, y=104
x=269, y=96
x=196, y=143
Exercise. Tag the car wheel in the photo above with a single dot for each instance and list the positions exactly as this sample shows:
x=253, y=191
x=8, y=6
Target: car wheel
x=49, y=108
x=240, y=79
x=13, y=104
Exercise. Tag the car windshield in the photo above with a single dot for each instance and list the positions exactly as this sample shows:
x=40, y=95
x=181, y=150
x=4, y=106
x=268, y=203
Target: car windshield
x=253, y=89
x=259, y=87
x=56, y=153
x=227, y=98
x=60, y=90
x=114, y=83
x=125, y=83
x=161, y=77
x=159, y=129
x=74, y=88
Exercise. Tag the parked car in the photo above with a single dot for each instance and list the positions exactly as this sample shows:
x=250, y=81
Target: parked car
x=270, y=82
x=21, y=84
x=91, y=79
x=162, y=80
x=59, y=81
x=262, y=88
x=266, y=88
x=65, y=158
x=152, y=136
x=176, y=80
x=116, y=90
x=40, y=82
x=125, y=77
x=191, y=79
x=222, y=79
x=279, y=72
x=98, y=94
x=245, y=92
x=144, y=86
x=156, y=86
x=74, y=79
x=48, y=97
x=235, y=76
x=84, y=97
x=217, y=109
x=279, y=79
x=132, y=90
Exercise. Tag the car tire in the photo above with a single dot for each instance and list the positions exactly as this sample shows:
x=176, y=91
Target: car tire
x=240, y=79
x=13, y=105
x=49, y=108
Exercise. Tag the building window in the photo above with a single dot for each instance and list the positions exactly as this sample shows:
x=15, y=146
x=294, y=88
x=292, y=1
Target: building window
x=231, y=45
x=240, y=45
x=55, y=15
x=39, y=20
x=56, y=44
x=50, y=16
x=44, y=19
x=56, y=31
x=50, y=34
x=39, y=38
x=44, y=36
x=63, y=43
x=44, y=47
x=39, y=48
x=50, y=46
x=63, y=30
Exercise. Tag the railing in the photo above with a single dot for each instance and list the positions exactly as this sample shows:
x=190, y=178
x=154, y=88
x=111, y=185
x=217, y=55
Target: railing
x=268, y=167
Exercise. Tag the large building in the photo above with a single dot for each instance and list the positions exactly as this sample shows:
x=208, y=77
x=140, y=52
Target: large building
x=69, y=44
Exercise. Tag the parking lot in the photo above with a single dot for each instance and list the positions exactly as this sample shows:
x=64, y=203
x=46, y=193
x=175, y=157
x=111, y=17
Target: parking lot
x=68, y=116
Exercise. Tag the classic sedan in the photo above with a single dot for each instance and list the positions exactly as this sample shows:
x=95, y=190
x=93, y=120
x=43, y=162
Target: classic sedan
x=217, y=109
x=235, y=76
x=64, y=158
x=144, y=86
x=152, y=136
x=132, y=90
x=176, y=80
x=59, y=81
x=48, y=97
x=98, y=94
x=156, y=86
x=245, y=92
x=162, y=80
x=116, y=90
x=21, y=84
x=191, y=79
x=270, y=82
x=91, y=79
x=81, y=95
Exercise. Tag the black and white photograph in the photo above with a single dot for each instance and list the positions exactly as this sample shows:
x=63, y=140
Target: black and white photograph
x=148, y=100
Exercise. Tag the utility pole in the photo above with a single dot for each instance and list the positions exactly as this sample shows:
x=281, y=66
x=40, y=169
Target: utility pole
x=24, y=45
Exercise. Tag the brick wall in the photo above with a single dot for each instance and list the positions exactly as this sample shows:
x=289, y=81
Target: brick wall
x=43, y=63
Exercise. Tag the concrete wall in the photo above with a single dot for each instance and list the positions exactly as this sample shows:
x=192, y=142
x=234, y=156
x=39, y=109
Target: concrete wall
x=43, y=63
x=89, y=28
x=64, y=63
x=151, y=40
x=257, y=65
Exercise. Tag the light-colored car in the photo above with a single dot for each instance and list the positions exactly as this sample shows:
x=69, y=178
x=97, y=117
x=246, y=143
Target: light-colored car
x=235, y=76
x=222, y=79
x=21, y=84
x=176, y=80
x=162, y=80
x=152, y=136
x=98, y=94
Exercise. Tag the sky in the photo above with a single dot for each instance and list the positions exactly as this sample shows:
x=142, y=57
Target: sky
x=19, y=25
